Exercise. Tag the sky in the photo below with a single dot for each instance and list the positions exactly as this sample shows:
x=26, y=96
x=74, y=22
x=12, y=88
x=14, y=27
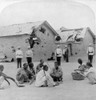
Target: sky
x=67, y=13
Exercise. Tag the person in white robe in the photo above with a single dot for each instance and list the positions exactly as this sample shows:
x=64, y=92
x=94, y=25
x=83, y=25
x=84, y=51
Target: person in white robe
x=43, y=78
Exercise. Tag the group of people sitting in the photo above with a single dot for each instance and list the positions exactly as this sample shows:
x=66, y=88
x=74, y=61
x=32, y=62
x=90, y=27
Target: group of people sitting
x=40, y=75
x=42, y=78
x=28, y=74
x=85, y=71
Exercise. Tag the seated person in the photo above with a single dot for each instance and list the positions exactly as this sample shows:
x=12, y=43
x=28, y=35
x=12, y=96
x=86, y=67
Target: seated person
x=91, y=73
x=57, y=73
x=39, y=66
x=24, y=75
x=52, y=56
x=4, y=79
x=31, y=68
x=78, y=74
x=43, y=78
x=81, y=67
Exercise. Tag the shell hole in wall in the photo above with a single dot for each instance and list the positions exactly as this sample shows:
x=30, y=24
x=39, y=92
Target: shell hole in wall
x=32, y=40
x=42, y=46
x=42, y=30
x=38, y=43
x=12, y=46
x=75, y=53
x=57, y=38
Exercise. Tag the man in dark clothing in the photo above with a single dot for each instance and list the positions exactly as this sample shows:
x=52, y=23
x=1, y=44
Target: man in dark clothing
x=24, y=75
x=66, y=54
x=57, y=73
x=39, y=66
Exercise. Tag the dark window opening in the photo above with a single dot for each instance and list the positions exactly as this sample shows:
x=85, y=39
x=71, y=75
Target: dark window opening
x=58, y=38
x=42, y=46
x=42, y=30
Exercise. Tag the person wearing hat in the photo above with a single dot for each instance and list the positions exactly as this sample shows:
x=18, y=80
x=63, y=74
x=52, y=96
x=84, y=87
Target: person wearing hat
x=90, y=52
x=19, y=56
x=58, y=55
x=29, y=55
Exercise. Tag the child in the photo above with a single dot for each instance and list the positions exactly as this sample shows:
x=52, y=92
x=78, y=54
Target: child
x=81, y=67
x=57, y=73
x=4, y=79
x=78, y=74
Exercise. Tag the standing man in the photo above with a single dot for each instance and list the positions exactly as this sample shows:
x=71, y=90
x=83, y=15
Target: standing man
x=90, y=52
x=64, y=56
x=58, y=55
x=67, y=54
x=19, y=56
x=29, y=55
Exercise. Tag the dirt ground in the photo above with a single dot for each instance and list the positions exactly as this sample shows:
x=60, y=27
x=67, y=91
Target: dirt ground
x=68, y=90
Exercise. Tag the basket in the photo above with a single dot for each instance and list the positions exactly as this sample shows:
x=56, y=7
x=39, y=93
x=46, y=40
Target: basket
x=77, y=76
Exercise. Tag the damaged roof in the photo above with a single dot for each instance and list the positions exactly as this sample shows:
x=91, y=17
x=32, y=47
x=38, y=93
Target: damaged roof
x=23, y=28
x=68, y=35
